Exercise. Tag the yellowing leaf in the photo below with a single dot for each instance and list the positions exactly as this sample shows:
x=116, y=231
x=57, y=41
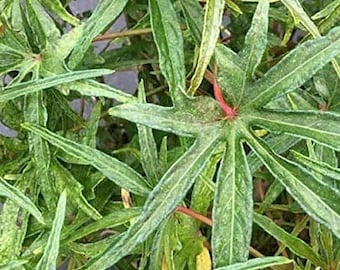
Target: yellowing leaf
x=203, y=260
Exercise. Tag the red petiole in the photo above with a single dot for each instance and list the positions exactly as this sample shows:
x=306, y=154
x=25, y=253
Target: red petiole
x=230, y=112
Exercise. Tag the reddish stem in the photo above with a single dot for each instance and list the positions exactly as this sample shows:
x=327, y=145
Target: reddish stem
x=230, y=112
x=194, y=215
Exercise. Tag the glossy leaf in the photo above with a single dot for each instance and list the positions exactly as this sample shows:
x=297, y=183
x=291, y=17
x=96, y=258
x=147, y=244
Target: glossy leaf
x=113, y=169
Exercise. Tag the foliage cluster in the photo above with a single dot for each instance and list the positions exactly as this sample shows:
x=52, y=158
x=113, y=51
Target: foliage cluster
x=226, y=157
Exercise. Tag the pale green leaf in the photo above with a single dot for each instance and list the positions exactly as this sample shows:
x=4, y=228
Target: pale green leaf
x=64, y=180
x=179, y=121
x=106, y=12
x=18, y=197
x=295, y=244
x=30, y=87
x=94, y=88
x=147, y=144
x=254, y=44
x=116, y=218
x=318, y=166
x=322, y=127
x=167, y=34
x=57, y=8
x=318, y=200
x=257, y=263
x=194, y=15
x=14, y=265
x=211, y=29
x=162, y=200
x=233, y=206
x=296, y=68
x=113, y=169
x=49, y=259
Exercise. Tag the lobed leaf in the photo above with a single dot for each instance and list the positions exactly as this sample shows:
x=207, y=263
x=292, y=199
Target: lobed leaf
x=295, y=68
x=147, y=144
x=162, y=200
x=113, y=169
x=317, y=199
x=318, y=126
x=233, y=205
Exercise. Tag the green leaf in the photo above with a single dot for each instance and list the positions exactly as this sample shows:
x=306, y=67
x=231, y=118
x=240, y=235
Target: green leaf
x=14, y=265
x=258, y=263
x=115, y=219
x=317, y=166
x=194, y=15
x=295, y=244
x=230, y=73
x=317, y=199
x=147, y=144
x=25, y=88
x=18, y=197
x=211, y=29
x=65, y=181
x=49, y=259
x=254, y=44
x=36, y=112
x=106, y=12
x=179, y=121
x=233, y=205
x=295, y=68
x=322, y=127
x=167, y=34
x=113, y=169
x=57, y=8
x=162, y=200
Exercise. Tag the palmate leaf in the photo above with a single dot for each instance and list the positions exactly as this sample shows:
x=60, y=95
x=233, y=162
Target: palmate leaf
x=113, y=169
x=295, y=68
x=317, y=199
x=162, y=200
x=233, y=205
